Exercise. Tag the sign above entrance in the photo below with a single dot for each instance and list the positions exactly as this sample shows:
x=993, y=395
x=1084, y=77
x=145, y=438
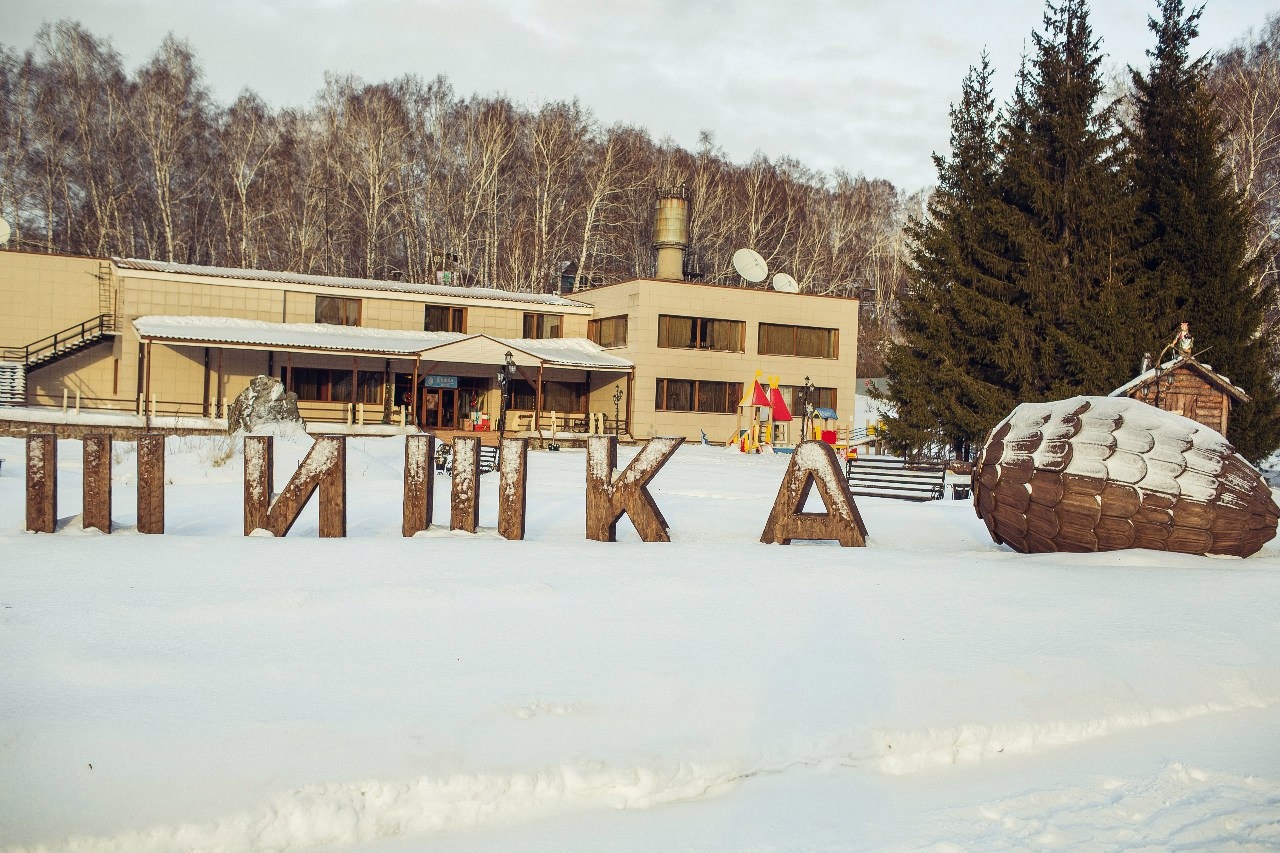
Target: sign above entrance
x=439, y=382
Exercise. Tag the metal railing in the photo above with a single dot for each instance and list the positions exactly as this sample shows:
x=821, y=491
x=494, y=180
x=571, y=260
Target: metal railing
x=50, y=345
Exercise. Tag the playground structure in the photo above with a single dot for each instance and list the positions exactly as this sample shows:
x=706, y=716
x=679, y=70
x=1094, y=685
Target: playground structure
x=767, y=417
x=768, y=425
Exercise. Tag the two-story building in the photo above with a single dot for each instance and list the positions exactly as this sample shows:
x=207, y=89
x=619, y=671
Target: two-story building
x=158, y=341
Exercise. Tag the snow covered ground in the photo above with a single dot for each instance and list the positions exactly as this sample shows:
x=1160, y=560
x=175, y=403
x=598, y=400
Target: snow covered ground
x=209, y=692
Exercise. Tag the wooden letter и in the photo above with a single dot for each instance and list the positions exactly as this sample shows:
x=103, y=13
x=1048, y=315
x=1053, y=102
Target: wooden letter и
x=96, y=484
x=324, y=467
x=151, y=483
x=608, y=497
x=465, y=494
x=42, y=483
x=814, y=462
x=419, y=483
x=512, y=476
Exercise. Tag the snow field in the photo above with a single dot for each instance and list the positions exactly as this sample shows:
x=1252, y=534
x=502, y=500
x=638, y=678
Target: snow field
x=371, y=693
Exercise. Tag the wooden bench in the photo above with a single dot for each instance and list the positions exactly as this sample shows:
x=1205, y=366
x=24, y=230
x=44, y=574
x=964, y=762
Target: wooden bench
x=888, y=477
x=488, y=459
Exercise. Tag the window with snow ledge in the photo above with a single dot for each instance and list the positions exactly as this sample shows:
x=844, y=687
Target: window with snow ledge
x=543, y=325
x=337, y=311
x=444, y=318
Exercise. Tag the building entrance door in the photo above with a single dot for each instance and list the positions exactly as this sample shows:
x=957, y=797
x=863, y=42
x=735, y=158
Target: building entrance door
x=440, y=408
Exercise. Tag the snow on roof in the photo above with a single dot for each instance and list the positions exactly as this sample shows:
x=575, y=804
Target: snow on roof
x=317, y=336
x=568, y=352
x=340, y=281
x=320, y=337
x=1204, y=370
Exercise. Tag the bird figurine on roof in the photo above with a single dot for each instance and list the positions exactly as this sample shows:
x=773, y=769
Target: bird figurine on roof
x=1184, y=342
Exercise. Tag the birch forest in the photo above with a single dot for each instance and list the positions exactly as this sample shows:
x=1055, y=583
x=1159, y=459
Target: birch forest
x=397, y=179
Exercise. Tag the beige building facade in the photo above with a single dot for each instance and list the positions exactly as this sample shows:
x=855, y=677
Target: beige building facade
x=164, y=340
x=698, y=348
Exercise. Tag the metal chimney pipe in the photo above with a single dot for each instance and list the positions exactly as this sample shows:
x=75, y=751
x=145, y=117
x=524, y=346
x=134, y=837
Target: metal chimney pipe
x=671, y=232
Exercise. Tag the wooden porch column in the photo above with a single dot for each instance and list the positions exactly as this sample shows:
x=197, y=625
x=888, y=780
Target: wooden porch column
x=204, y=405
x=355, y=386
x=413, y=393
x=631, y=401
x=537, y=403
x=217, y=394
x=288, y=371
x=388, y=392
x=146, y=394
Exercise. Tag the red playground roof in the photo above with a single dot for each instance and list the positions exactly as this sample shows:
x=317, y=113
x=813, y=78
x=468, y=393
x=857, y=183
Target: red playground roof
x=779, y=405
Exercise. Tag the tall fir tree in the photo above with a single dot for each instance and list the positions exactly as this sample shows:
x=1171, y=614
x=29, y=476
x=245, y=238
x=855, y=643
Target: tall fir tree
x=1068, y=227
x=1196, y=231
x=956, y=371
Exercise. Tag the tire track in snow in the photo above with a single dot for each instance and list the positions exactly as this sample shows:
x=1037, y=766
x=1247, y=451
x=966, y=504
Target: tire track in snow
x=898, y=752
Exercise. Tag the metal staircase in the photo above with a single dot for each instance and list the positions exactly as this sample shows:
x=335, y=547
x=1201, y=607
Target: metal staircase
x=13, y=383
x=61, y=344
x=17, y=362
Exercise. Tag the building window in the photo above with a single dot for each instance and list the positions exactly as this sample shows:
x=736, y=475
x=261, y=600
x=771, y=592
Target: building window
x=443, y=318
x=701, y=333
x=821, y=398
x=805, y=341
x=334, y=386
x=337, y=311
x=694, y=395
x=556, y=396
x=543, y=325
x=609, y=331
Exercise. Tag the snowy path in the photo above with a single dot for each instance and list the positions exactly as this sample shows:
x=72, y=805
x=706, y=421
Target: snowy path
x=931, y=691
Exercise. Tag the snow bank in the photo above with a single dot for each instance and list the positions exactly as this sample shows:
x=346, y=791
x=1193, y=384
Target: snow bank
x=204, y=690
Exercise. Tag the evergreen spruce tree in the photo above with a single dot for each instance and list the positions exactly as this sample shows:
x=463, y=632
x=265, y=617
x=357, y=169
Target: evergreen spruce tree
x=951, y=377
x=1196, y=231
x=1067, y=225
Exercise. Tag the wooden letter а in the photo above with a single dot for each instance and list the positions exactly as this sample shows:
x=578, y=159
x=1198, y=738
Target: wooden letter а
x=814, y=462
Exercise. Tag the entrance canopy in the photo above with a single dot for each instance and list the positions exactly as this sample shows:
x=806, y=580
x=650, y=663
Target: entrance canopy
x=319, y=338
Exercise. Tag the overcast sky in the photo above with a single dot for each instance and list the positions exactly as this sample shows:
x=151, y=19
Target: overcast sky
x=861, y=85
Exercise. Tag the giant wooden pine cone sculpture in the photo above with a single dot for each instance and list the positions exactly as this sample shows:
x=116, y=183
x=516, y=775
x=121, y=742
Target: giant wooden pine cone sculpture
x=1104, y=473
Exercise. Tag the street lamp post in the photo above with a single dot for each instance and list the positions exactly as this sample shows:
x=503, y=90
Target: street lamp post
x=617, y=417
x=505, y=371
x=807, y=409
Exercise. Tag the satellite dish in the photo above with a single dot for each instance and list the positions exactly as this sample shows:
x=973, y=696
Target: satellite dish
x=784, y=283
x=4, y=232
x=750, y=265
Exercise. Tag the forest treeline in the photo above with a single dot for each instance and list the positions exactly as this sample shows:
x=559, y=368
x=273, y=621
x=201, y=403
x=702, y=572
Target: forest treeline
x=404, y=178
x=1072, y=231
x=397, y=179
